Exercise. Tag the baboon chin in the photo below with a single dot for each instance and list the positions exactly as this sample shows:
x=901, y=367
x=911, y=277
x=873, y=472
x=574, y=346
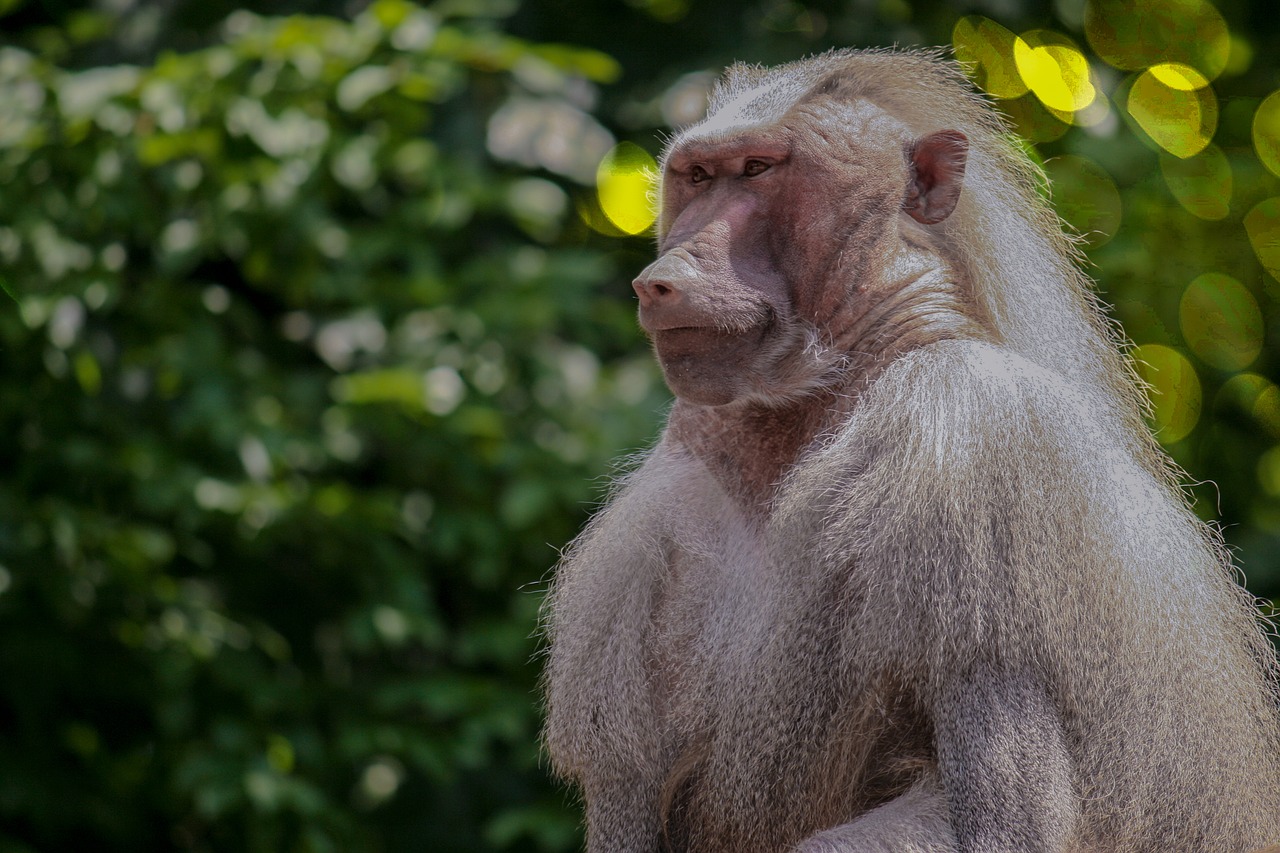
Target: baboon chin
x=706, y=366
x=906, y=570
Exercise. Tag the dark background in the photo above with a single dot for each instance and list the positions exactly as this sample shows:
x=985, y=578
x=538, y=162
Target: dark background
x=317, y=346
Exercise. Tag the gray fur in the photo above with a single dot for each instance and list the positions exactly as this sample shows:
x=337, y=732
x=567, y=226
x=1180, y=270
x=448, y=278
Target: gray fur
x=976, y=615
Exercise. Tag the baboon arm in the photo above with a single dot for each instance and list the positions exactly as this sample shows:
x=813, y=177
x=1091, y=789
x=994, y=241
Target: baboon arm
x=1005, y=779
x=916, y=822
x=601, y=730
x=622, y=815
x=1004, y=763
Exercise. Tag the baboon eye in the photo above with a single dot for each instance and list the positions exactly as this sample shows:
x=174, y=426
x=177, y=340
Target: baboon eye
x=754, y=167
x=698, y=174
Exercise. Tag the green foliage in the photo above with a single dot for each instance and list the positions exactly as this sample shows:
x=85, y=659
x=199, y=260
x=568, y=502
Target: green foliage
x=300, y=394
x=309, y=362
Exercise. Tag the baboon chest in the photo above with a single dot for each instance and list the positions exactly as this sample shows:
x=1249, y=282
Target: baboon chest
x=712, y=608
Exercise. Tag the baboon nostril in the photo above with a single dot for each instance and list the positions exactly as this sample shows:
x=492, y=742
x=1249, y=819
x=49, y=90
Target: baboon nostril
x=652, y=291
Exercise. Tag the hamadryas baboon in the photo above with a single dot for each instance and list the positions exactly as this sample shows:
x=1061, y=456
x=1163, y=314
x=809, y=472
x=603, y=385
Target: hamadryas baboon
x=906, y=571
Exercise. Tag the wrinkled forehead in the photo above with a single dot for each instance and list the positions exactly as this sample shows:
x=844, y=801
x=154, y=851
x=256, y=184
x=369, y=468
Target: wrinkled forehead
x=778, y=100
x=757, y=105
x=745, y=98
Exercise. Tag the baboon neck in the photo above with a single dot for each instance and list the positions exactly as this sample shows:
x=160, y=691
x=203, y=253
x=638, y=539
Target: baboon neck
x=749, y=446
x=917, y=300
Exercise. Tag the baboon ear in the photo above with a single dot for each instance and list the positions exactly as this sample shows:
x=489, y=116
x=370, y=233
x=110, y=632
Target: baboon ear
x=937, y=163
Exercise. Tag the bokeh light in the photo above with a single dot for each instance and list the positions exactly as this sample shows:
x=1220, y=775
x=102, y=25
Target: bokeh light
x=1055, y=70
x=1266, y=132
x=1043, y=76
x=1202, y=184
x=1262, y=224
x=1175, y=75
x=1174, y=389
x=1266, y=409
x=1175, y=107
x=1133, y=36
x=1084, y=195
x=988, y=49
x=1096, y=114
x=1269, y=472
x=1255, y=395
x=624, y=186
x=1221, y=321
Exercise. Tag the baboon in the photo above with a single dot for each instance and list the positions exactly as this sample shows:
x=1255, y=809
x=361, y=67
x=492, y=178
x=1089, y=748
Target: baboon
x=906, y=570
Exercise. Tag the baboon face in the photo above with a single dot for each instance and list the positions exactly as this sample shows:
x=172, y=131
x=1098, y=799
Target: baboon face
x=771, y=230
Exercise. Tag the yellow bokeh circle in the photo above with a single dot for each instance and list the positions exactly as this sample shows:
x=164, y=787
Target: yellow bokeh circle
x=1269, y=472
x=1054, y=70
x=987, y=49
x=1175, y=75
x=1175, y=107
x=1266, y=409
x=1174, y=389
x=1042, y=75
x=1221, y=321
x=1202, y=184
x=1262, y=224
x=624, y=185
x=1255, y=395
x=1266, y=132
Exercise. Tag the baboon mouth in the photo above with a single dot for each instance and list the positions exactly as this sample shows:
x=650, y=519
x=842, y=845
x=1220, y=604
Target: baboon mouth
x=704, y=328
x=703, y=337
x=724, y=326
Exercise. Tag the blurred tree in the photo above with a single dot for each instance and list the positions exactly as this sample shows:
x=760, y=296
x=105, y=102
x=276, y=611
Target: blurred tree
x=297, y=395
x=319, y=342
